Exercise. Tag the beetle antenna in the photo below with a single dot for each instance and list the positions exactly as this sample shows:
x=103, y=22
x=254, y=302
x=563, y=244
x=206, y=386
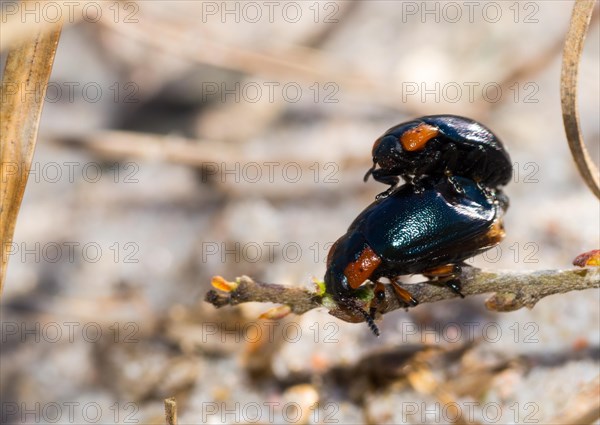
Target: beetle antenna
x=367, y=316
x=366, y=177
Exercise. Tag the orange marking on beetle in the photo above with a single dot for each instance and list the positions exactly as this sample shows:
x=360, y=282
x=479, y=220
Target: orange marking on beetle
x=495, y=233
x=403, y=295
x=360, y=270
x=492, y=237
x=441, y=271
x=416, y=138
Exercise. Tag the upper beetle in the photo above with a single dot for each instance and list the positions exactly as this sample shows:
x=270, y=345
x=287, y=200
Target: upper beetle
x=430, y=231
x=440, y=145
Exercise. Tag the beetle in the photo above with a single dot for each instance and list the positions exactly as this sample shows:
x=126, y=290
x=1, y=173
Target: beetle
x=429, y=231
x=447, y=145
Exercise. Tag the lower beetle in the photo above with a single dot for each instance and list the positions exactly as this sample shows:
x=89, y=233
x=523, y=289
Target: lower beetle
x=440, y=145
x=430, y=231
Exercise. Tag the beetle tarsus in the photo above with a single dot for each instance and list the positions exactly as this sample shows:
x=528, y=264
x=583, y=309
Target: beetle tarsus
x=415, y=183
x=446, y=275
x=455, y=184
x=385, y=193
x=454, y=285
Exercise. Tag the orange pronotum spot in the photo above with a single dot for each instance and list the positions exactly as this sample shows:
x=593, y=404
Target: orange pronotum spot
x=360, y=270
x=416, y=138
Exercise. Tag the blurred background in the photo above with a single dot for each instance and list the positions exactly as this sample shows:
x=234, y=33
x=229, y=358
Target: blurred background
x=186, y=139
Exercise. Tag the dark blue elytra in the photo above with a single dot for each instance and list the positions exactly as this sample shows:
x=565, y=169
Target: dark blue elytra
x=412, y=231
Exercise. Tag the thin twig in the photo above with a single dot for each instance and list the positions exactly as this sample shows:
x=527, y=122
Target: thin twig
x=512, y=291
x=211, y=158
x=580, y=20
x=171, y=411
x=179, y=150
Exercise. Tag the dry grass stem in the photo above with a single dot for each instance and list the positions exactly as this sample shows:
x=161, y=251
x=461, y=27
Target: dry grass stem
x=580, y=21
x=24, y=84
x=171, y=411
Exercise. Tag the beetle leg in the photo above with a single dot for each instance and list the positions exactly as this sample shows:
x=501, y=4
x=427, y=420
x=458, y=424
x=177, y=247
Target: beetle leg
x=455, y=184
x=454, y=285
x=380, y=299
x=449, y=270
x=424, y=164
x=446, y=275
x=415, y=182
x=379, y=291
x=403, y=295
x=451, y=157
x=382, y=177
x=479, y=159
x=490, y=194
x=501, y=199
x=385, y=193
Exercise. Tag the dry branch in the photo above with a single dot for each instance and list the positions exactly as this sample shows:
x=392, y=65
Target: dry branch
x=179, y=150
x=512, y=291
x=24, y=86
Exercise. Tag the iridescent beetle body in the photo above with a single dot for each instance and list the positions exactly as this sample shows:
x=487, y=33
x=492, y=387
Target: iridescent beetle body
x=429, y=231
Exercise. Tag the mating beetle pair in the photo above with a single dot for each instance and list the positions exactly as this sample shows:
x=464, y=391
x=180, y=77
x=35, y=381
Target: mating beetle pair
x=450, y=210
